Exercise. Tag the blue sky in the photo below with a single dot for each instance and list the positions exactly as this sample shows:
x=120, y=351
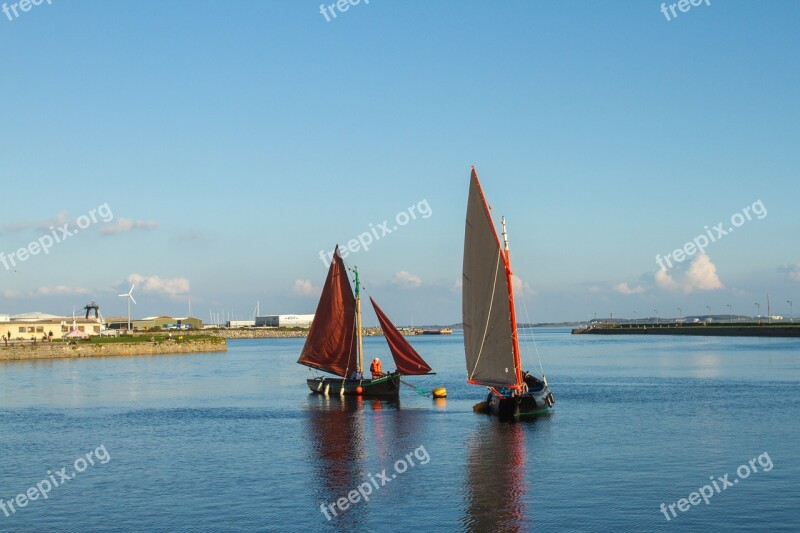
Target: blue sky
x=234, y=141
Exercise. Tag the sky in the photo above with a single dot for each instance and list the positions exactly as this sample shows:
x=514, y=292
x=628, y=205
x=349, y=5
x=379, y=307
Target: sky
x=212, y=152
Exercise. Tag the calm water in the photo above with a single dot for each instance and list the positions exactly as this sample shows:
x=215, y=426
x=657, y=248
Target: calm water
x=234, y=441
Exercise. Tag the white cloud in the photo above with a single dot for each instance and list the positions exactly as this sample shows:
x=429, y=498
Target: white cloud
x=155, y=284
x=521, y=288
x=60, y=290
x=124, y=225
x=42, y=225
x=594, y=289
x=406, y=279
x=12, y=294
x=55, y=290
x=624, y=288
x=700, y=276
x=303, y=287
x=792, y=272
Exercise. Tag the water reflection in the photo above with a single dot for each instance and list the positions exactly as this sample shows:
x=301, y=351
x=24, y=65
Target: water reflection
x=343, y=435
x=496, y=469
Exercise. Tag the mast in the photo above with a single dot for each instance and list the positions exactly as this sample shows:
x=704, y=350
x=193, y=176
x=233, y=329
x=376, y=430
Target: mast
x=358, y=322
x=513, y=313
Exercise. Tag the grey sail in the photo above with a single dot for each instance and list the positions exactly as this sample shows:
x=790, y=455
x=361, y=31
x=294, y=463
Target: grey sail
x=488, y=338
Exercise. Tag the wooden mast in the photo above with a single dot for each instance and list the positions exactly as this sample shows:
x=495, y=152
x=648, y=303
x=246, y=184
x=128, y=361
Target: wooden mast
x=513, y=313
x=358, y=323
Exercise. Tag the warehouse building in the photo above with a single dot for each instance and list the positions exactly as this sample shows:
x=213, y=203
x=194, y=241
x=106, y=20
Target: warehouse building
x=284, y=321
x=158, y=323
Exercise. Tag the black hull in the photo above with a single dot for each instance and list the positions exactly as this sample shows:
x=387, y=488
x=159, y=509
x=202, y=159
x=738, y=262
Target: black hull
x=528, y=405
x=385, y=387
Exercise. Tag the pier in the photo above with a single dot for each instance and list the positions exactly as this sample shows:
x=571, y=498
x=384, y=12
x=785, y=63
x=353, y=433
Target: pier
x=711, y=329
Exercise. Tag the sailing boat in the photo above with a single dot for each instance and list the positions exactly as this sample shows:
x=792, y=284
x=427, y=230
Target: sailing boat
x=491, y=344
x=334, y=343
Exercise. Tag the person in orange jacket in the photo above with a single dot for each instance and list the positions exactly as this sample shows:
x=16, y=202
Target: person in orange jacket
x=375, y=368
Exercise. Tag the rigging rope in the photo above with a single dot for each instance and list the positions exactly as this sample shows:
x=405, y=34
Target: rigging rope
x=533, y=336
x=488, y=316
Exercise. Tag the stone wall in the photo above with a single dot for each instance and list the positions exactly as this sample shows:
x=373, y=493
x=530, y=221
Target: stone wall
x=60, y=350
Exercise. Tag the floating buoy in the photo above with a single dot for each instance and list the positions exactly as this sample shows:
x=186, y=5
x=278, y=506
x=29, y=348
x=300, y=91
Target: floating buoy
x=359, y=389
x=327, y=389
x=439, y=392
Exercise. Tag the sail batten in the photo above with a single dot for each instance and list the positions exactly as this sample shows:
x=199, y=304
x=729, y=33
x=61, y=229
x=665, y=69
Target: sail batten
x=408, y=361
x=488, y=329
x=330, y=343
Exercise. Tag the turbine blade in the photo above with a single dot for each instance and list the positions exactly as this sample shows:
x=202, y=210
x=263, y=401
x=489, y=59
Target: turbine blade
x=131, y=297
x=122, y=295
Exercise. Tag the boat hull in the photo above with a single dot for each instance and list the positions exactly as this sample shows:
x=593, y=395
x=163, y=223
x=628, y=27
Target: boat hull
x=385, y=387
x=515, y=407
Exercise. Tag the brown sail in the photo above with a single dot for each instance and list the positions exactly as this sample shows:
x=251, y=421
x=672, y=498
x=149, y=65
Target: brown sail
x=408, y=361
x=330, y=344
x=488, y=333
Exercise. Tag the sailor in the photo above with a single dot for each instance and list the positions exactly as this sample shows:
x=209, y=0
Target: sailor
x=357, y=374
x=375, y=368
x=530, y=380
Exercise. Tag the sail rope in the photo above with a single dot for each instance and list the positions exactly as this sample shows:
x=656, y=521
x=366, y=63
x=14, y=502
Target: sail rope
x=533, y=336
x=419, y=390
x=488, y=316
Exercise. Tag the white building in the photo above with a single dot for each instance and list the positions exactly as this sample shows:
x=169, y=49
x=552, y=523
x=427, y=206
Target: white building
x=284, y=321
x=240, y=323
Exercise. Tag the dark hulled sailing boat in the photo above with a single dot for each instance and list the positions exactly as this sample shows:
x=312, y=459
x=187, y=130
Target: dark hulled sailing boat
x=334, y=342
x=491, y=344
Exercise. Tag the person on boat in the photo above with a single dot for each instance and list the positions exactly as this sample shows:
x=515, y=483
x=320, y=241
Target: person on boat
x=531, y=381
x=375, y=368
x=357, y=374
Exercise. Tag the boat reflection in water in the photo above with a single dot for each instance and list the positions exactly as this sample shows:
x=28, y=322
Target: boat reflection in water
x=495, y=481
x=351, y=439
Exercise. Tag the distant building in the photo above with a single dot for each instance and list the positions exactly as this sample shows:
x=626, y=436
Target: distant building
x=285, y=321
x=158, y=323
x=240, y=323
x=53, y=328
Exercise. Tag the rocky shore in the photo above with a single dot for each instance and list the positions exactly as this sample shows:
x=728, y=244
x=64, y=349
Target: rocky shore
x=61, y=350
x=274, y=333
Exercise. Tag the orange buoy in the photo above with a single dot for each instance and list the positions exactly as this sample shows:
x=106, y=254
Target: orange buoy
x=359, y=390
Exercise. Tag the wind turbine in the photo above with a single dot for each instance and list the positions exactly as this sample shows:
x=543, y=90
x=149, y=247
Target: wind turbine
x=129, y=296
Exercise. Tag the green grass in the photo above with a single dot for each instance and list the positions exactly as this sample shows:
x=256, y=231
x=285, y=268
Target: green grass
x=147, y=337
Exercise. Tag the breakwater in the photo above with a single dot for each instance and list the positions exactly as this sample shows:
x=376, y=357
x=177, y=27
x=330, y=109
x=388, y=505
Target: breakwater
x=273, y=333
x=62, y=350
x=710, y=330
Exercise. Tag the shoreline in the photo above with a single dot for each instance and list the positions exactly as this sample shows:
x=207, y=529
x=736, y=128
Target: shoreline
x=61, y=350
x=707, y=330
x=272, y=333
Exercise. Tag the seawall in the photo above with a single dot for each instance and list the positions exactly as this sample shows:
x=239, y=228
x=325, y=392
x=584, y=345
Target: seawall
x=273, y=333
x=61, y=350
x=708, y=331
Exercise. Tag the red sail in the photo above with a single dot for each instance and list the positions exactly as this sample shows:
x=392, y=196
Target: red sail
x=330, y=343
x=408, y=361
